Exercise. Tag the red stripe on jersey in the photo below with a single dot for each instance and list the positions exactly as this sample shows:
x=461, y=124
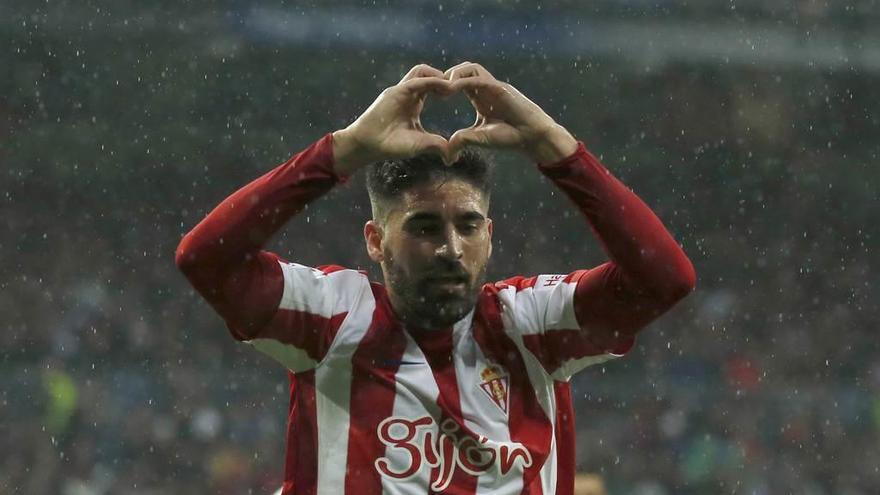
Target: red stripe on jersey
x=307, y=331
x=558, y=346
x=437, y=345
x=328, y=269
x=374, y=366
x=519, y=282
x=528, y=423
x=565, y=434
x=301, y=459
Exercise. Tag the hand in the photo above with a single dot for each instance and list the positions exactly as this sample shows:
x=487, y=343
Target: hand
x=390, y=127
x=506, y=118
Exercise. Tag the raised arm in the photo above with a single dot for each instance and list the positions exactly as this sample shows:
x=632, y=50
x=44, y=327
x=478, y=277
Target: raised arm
x=222, y=256
x=648, y=272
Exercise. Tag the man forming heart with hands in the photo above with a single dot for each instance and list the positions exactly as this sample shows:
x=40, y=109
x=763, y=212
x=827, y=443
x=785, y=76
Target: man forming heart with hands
x=433, y=381
x=390, y=128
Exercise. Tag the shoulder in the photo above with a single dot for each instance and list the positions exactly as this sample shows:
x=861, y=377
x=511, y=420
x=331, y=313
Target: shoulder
x=532, y=304
x=325, y=289
x=336, y=273
x=520, y=286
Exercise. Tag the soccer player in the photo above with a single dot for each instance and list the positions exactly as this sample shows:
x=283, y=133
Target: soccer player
x=433, y=382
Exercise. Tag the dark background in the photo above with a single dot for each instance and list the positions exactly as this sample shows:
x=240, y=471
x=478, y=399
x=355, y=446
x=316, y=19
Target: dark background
x=751, y=128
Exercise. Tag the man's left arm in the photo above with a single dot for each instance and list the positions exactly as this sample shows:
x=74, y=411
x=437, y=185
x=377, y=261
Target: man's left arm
x=648, y=272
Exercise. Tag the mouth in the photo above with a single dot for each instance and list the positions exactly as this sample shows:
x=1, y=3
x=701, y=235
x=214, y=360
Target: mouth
x=449, y=281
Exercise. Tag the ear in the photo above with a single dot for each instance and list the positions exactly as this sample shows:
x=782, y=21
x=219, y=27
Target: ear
x=490, y=236
x=373, y=238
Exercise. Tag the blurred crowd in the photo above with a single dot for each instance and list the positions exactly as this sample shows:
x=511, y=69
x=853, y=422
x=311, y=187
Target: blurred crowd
x=117, y=378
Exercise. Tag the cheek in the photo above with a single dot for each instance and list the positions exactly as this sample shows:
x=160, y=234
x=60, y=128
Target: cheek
x=408, y=256
x=478, y=253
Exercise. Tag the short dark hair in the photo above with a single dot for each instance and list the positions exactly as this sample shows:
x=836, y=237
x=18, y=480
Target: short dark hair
x=387, y=180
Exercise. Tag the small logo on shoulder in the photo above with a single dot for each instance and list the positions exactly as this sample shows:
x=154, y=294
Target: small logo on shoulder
x=551, y=280
x=495, y=384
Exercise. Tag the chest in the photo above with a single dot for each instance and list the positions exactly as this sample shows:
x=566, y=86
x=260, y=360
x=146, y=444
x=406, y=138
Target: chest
x=439, y=406
x=482, y=386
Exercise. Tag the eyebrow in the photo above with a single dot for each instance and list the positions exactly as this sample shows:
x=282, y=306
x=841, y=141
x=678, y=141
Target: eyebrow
x=426, y=216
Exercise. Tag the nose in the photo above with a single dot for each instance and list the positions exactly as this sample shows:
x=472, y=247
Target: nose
x=451, y=247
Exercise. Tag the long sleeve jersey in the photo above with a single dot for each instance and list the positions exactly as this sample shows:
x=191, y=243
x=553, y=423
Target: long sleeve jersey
x=481, y=407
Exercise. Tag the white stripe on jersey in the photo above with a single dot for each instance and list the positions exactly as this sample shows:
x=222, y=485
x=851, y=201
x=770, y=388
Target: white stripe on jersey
x=333, y=393
x=416, y=397
x=292, y=357
x=480, y=414
x=572, y=366
x=546, y=306
x=546, y=396
x=313, y=291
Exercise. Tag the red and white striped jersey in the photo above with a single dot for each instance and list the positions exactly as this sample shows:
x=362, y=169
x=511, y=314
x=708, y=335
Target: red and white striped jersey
x=481, y=407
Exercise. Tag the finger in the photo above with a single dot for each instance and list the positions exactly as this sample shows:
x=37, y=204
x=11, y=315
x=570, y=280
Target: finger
x=448, y=71
x=474, y=136
x=468, y=70
x=460, y=139
x=474, y=83
x=432, y=143
x=464, y=137
x=494, y=135
x=473, y=86
x=422, y=70
x=421, y=85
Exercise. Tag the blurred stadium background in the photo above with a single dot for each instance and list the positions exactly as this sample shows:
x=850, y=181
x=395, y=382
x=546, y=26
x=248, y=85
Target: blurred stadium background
x=751, y=127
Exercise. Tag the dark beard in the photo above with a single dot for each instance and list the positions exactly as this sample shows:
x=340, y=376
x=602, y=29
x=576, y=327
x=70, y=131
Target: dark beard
x=425, y=308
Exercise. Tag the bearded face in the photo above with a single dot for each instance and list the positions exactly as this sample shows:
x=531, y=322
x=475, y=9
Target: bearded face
x=434, y=248
x=438, y=297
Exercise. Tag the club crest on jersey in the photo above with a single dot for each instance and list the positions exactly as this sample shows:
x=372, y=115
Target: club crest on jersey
x=495, y=383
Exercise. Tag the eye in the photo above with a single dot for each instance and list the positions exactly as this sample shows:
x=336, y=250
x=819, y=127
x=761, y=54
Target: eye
x=424, y=229
x=469, y=228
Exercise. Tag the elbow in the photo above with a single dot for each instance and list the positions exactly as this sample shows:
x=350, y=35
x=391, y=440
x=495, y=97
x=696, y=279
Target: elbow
x=191, y=264
x=677, y=282
x=184, y=257
x=684, y=281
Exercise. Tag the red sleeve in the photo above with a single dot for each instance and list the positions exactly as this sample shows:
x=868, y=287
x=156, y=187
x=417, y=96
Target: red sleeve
x=222, y=255
x=648, y=272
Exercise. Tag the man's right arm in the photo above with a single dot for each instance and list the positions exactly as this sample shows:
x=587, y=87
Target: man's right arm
x=222, y=256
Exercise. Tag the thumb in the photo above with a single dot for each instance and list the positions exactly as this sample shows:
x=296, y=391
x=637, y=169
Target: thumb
x=492, y=135
x=464, y=137
x=432, y=143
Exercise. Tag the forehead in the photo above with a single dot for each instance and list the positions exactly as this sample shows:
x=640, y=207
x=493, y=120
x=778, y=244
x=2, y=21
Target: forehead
x=447, y=198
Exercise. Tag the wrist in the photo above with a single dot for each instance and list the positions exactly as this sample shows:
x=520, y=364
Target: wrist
x=346, y=157
x=554, y=145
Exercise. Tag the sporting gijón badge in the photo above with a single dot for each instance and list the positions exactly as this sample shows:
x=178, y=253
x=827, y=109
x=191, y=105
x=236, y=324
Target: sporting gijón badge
x=495, y=383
